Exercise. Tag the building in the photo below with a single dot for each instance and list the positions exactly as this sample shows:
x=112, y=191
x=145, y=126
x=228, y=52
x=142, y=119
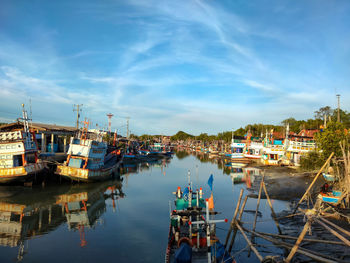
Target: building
x=50, y=137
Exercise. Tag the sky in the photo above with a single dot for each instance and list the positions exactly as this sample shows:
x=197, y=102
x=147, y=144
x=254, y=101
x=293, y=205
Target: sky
x=197, y=66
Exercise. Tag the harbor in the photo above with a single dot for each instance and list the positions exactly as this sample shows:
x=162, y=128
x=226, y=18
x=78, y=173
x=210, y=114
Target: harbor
x=188, y=131
x=94, y=221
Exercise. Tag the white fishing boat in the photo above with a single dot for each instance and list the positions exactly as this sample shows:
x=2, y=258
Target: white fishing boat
x=19, y=154
x=254, y=150
x=88, y=160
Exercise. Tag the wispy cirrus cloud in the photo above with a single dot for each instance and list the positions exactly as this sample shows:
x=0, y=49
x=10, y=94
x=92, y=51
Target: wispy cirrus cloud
x=170, y=65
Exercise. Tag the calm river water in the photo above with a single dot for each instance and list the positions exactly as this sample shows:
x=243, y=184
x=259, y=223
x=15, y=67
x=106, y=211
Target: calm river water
x=124, y=221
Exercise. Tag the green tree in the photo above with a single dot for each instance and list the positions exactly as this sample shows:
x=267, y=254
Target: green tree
x=181, y=136
x=326, y=110
x=328, y=140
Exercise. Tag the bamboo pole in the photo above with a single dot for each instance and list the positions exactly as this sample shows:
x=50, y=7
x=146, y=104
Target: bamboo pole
x=234, y=216
x=272, y=210
x=249, y=243
x=312, y=254
x=305, y=239
x=258, y=202
x=335, y=226
x=257, y=207
x=313, y=182
x=239, y=219
x=335, y=233
x=297, y=243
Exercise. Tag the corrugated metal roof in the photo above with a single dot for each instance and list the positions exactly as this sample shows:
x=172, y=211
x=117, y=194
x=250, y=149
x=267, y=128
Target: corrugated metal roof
x=37, y=126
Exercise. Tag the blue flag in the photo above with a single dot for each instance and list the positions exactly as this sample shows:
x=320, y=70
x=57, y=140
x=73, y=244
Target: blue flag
x=185, y=193
x=210, y=182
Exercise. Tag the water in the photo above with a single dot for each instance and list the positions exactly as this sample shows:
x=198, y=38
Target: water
x=124, y=221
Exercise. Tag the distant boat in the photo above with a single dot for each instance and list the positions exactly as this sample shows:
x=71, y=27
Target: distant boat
x=19, y=154
x=331, y=197
x=273, y=151
x=328, y=177
x=254, y=150
x=88, y=160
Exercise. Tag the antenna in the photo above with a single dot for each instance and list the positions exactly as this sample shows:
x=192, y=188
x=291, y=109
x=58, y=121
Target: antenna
x=110, y=115
x=127, y=127
x=338, y=96
x=30, y=112
x=78, y=110
x=25, y=119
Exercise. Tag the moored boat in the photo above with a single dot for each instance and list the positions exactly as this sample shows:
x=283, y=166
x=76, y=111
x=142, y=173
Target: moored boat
x=88, y=160
x=192, y=236
x=19, y=154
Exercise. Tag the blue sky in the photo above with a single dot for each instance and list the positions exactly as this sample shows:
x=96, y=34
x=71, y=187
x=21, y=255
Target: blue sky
x=198, y=66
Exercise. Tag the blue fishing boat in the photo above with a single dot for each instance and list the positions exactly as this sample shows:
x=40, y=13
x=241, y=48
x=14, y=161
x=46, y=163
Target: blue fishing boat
x=328, y=177
x=192, y=235
x=331, y=197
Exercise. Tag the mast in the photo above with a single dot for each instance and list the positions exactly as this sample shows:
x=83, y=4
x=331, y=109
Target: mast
x=25, y=119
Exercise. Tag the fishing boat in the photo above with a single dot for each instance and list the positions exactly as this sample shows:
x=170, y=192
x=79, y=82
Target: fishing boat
x=192, y=235
x=254, y=150
x=331, y=197
x=328, y=177
x=273, y=151
x=19, y=154
x=88, y=160
x=297, y=146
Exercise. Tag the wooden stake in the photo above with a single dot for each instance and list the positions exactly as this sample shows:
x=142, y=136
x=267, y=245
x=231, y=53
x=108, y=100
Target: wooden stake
x=300, y=238
x=249, y=243
x=272, y=210
x=313, y=182
x=305, y=239
x=234, y=216
x=335, y=233
x=239, y=219
x=258, y=202
x=312, y=254
x=257, y=207
x=335, y=226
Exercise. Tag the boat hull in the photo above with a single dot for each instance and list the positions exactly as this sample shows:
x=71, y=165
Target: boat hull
x=87, y=175
x=20, y=173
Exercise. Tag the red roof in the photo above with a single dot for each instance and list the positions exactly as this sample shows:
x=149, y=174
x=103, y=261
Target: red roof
x=307, y=133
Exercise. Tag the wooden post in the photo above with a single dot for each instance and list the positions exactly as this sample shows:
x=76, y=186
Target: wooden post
x=239, y=219
x=52, y=141
x=234, y=216
x=335, y=233
x=300, y=238
x=65, y=144
x=312, y=254
x=335, y=226
x=305, y=239
x=43, y=142
x=313, y=182
x=249, y=243
x=272, y=210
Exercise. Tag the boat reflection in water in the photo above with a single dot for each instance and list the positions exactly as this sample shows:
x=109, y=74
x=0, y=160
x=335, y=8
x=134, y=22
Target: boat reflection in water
x=245, y=175
x=36, y=212
x=131, y=168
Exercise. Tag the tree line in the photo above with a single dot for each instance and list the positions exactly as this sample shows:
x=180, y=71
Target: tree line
x=258, y=130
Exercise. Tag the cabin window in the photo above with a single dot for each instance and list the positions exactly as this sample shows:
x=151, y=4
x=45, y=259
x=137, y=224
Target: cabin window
x=8, y=147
